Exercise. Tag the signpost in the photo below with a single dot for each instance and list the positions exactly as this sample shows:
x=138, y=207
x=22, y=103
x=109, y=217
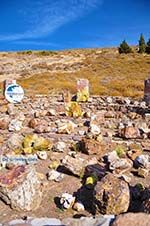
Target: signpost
x=14, y=93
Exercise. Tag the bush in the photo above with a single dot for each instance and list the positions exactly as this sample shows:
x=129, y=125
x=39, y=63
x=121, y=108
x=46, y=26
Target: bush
x=124, y=48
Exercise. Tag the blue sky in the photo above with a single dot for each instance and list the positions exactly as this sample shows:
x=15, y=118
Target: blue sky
x=66, y=24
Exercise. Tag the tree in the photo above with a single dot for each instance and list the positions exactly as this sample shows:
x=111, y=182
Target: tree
x=148, y=47
x=142, y=45
x=124, y=48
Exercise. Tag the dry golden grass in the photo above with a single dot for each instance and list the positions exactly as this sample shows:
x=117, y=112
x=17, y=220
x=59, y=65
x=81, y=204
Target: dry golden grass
x=108, y=72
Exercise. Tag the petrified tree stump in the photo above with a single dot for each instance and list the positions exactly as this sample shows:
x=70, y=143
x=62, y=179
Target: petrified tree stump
x=21, y=188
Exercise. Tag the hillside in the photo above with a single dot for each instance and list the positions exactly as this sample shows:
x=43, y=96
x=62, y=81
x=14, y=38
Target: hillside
x=43, y=72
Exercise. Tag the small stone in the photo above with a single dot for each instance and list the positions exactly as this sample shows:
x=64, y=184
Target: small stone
x=67, y=200
x=143, y=172
x=94, y=129
x=55, y=175
x=14, y=141
x=42, y=129
x=143, y=161
x=73, y=109
x=109, y=100
x=15, y=125
x=134, y=153
x=51, y=112
x=59, y=146
x=66, y=127
x=4, y=122
x=81, y=132
x=130, y=132
x=118, y=165
x=33, y=123
x=54, y=164
x=91, y=146
x=42, y=155
x=11, y=109
x=74, y=165
x=78, y=206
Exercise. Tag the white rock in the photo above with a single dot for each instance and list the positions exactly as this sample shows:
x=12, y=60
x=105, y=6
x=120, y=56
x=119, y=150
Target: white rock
x=67, y=200
x=59, y=146
x=143, y=160
x=15, y=125
x=94, y=129
x=55, y=175
x=52, y=112
x=65, y=126
x=42, y=155
x=78, y=206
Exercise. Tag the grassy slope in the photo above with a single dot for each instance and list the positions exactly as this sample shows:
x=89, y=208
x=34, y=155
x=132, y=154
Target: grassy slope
x=108, y=72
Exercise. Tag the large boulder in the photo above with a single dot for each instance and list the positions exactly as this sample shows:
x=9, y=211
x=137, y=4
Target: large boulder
x=21, y=188
x=112, y=195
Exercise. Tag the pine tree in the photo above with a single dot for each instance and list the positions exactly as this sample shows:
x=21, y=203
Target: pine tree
x=142, y=45
x=124, y=48
x=148, y=47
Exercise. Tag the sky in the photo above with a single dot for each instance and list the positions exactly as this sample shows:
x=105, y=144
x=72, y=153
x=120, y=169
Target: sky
x=67, y=24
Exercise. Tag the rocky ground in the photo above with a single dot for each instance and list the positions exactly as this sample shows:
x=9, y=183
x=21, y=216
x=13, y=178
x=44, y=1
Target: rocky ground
x=62, y=159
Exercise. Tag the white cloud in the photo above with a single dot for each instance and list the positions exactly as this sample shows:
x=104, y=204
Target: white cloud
x=45, y=17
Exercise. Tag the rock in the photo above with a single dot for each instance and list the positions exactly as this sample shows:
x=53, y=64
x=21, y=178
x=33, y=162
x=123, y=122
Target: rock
x=21, y=188
x=146, y=206
x=32, y=142
x=42, y=127
x=78, y=206
x=67, y=200
x=55, y=175
x=134, y=153
x=33, y=123
x=73, y=109
x=59, y=146
x=132, y=219
x=40, y=113
x=54, y=164
x=91, y=147
x=143, y=172
x=112, y=195
x=14, y=141
x=11, y=109
x=143, y=161
x=104, y=220
x=15, y=125
x=130, y=132
x=42, y=155
x=67, y=96
x=121, y=165
x=82, y=90
x=66, y=126
x=109, y=100
x=4, y=122
x=44, y=221
x=74, y=165
x=94, y=129
x=97, y=170
x=51, y=112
